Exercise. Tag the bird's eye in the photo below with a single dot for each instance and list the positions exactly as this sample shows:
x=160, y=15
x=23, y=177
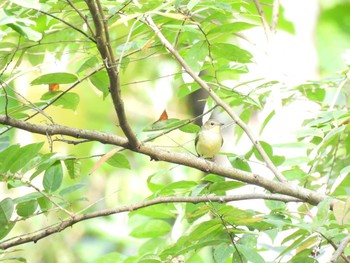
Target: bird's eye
x=212, y=123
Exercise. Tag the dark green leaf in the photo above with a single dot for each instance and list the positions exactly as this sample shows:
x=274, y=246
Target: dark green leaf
x=151, y=228
x=55, y=78
x=119, y=160
x=53, y=177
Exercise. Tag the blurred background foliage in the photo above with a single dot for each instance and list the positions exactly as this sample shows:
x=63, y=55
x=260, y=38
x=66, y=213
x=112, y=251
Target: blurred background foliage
x=35, y=41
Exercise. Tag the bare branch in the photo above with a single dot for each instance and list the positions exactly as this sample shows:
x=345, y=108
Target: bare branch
x=128, y=208
x=159, y=154
x=105, y=49
x=216, y=98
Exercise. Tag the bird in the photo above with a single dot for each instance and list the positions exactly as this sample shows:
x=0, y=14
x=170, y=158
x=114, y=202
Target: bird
x=209, y=140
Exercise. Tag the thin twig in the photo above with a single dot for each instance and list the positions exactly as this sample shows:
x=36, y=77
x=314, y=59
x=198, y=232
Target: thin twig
x=66, y=23
x=263, y=19
x=216, y=98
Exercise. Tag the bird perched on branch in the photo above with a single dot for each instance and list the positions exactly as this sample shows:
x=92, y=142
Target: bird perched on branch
x=209, y=139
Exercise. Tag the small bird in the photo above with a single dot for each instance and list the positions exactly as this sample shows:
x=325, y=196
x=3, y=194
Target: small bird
x=209, y=139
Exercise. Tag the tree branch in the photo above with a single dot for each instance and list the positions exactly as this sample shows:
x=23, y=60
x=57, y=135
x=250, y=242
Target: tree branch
x=104, y=47
x=340, y=250
x=159, y=154
x=216, y=98
x=34, y=237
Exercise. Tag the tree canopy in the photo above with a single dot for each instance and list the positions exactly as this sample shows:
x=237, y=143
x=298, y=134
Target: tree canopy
x=100, y=103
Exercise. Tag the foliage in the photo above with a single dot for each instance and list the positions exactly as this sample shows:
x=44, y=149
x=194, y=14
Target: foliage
x=53, y=71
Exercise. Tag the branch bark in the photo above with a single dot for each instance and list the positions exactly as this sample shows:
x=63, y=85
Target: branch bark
x=340, y=250
x=216, y=98
x=106, y=52
x=160, y=154
x=34, y=237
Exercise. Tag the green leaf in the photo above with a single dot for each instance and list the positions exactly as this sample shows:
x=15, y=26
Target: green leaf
x=88, y=64
x=250, y=254
x=44, y=204
x=224, y=186
x=295, y=174
x=222, y=252
x=119, y=160
x=5, y=229
x=266, y=121
x=110, y=258
x=190, y=128
x=7, y=157
x=6, y=210
x=164, y=125
x=71, y=189
x=101, y=81
x=73, y=168
x=187, y=88
x=313, y=92
x=231, y=52
x=27, y=208
x=231, y=28
x=27, y=197
x=24, y=155
x=55, y=78
x=195, y=57
x=53, y=177
x=157, y=211
x=240, y=163
x=151, y=228
x=69, y=101
x=183, y=185
x=150, y=258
